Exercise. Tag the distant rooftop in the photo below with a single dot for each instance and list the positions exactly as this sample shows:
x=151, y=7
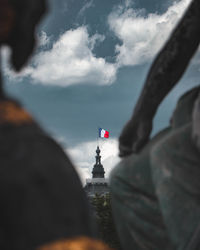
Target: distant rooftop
x=97, y=180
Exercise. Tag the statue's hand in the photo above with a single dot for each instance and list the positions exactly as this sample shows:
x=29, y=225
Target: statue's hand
x=134, y=135
x=196, y=123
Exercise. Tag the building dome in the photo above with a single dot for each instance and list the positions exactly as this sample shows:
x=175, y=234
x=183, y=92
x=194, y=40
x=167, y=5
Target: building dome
x=98, y=170
x=98, y=184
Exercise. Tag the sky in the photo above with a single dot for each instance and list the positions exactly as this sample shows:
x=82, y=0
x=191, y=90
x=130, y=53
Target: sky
x=88, y=70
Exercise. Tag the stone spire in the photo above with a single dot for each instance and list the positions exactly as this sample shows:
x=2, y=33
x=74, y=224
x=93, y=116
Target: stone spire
x=98, y=170
x=98, y=184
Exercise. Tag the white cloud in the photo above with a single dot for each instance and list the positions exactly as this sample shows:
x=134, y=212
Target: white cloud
x=86, y=6
x=142, y=37
x=128, y=3
x=83, y=156
x=43, y=39
x=70, y=61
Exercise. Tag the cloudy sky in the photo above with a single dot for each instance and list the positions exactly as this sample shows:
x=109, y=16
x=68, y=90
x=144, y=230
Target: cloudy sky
x=89, y=68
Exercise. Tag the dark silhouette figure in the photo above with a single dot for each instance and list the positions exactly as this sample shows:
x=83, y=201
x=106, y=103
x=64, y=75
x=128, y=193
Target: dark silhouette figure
x=42, y=200
x=155, y=189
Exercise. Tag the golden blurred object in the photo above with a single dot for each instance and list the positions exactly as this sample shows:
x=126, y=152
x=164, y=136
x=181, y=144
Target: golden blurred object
x=78, y=243
x=12, y=113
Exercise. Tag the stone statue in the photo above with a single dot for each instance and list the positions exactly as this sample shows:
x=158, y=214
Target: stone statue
x=155, y=188
x=43, y=205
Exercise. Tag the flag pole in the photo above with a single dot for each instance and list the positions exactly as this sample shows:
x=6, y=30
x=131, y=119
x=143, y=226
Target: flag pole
x=98, y=136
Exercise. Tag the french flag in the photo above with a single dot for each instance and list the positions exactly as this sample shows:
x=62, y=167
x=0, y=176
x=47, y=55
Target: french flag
x=103, y=133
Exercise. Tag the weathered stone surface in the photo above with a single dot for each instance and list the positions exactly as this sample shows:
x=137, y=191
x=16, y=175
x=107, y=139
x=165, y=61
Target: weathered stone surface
x=196, y=123
x=155, y=193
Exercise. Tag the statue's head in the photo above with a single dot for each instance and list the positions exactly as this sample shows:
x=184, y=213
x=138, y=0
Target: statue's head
x=18, y=20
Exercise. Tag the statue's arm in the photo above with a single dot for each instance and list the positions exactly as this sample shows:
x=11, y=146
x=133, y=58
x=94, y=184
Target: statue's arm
x=166, y=70
x=196, y=123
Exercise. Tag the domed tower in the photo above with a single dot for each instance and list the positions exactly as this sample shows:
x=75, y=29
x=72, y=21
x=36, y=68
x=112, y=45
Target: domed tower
x=98, y=170
x=98, y=184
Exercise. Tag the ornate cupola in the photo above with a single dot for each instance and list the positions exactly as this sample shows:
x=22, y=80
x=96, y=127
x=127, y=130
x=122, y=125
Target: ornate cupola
x=98, y=184
x=98, y=170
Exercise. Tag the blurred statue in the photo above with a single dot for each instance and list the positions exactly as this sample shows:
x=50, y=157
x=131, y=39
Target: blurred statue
x=43, y=204
x=156, y=188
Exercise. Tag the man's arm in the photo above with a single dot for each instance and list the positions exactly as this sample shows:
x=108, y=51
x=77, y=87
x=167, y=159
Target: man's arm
x=165, y=72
